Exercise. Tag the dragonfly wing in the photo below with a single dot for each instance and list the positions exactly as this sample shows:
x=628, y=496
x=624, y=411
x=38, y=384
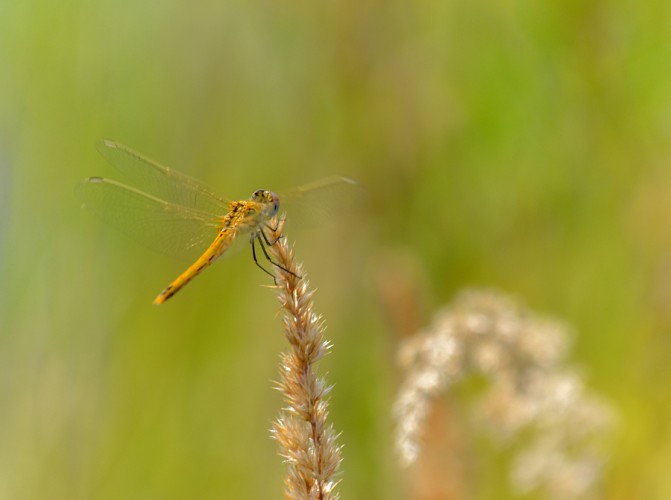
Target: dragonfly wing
x=164, y=182
x=166, y=227
x=320, y=201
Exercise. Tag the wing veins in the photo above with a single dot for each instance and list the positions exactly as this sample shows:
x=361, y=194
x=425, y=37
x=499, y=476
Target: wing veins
x=168, y=183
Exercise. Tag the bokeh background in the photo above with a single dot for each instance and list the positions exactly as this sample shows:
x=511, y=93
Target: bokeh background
x=517, y=144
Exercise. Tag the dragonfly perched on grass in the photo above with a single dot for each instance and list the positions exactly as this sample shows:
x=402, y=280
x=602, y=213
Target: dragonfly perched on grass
x=182, y=214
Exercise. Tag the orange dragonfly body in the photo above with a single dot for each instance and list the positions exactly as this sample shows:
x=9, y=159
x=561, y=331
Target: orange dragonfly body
x=184, y=215
x=243, y=217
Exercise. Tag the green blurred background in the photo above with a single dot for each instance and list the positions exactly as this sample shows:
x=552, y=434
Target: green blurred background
x=518, y=144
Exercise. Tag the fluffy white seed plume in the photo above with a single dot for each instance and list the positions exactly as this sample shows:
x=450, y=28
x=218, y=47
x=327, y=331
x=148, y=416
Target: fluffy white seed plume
x=530, y=388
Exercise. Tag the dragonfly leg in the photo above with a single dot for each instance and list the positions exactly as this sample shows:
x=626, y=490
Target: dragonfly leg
x=265, y=252
x=282, y=220
x=265, y=236
x=269, y=226
x=253, y=242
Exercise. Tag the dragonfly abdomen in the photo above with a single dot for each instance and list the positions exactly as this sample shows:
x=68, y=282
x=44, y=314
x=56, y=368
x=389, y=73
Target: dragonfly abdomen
x=221, y=243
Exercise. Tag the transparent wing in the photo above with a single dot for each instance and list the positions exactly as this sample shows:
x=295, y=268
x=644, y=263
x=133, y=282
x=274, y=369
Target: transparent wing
x=322, y=200
x=166, y=227
x=165, y=183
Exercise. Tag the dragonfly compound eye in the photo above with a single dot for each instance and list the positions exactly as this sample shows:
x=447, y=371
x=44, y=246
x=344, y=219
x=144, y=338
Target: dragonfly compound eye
x=275, y=200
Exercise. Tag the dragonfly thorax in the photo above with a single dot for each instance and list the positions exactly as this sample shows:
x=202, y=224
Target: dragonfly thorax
x=269, y=201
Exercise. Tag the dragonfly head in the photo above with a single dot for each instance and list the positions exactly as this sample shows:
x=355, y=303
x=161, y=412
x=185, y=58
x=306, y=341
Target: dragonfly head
x=268, y=200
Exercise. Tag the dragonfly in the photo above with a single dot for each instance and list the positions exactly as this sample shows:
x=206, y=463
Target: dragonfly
x=183, y=214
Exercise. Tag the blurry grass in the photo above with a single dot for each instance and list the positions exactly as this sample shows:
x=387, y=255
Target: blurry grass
x=519, y=145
